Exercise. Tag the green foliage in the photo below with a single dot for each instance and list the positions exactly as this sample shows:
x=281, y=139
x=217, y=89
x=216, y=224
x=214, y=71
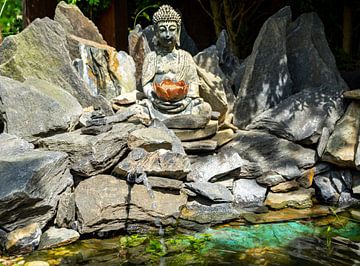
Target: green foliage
x=132, y=241
x=10, y=16
x=91, y=8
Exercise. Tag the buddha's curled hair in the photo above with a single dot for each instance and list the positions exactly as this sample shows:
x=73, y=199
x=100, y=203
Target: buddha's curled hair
x=166, y=13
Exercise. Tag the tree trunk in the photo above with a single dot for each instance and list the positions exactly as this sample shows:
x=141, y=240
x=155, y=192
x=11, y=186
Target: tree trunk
x=217, y=15
x=33, y=9
x=229, y=21
x=347, y=28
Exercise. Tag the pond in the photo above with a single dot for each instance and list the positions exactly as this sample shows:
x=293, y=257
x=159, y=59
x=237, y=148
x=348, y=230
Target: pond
x=326, y=241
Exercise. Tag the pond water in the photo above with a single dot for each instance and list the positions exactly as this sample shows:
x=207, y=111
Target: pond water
x=326, y=241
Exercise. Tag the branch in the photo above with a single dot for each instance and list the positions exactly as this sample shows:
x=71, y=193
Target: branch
x=206, y=11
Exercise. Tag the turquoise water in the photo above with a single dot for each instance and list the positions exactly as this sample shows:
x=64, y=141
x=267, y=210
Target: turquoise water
x=291, y=243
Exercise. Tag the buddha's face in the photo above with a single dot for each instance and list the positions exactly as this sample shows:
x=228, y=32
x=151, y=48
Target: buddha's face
x=167, y=33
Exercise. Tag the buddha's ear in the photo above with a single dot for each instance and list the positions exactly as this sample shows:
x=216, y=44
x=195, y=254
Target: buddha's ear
x=178, y=36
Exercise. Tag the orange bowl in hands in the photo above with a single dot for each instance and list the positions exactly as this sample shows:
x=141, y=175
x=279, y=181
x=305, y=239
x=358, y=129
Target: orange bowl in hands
x=168, y=90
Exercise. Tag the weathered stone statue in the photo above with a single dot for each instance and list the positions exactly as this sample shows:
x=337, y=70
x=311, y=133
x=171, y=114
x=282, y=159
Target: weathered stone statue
x=169, y=79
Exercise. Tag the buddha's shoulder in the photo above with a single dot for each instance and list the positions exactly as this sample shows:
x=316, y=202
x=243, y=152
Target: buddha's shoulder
x=151, y=55
x=184, y=53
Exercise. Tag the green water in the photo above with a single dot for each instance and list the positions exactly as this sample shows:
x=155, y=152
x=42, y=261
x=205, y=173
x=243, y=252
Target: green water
x=291, y=243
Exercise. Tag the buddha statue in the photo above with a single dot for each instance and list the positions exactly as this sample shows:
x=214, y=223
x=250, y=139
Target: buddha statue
x=169, y=78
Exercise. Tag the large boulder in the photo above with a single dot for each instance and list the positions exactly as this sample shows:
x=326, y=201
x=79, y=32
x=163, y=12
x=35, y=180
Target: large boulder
x=262, y=86
x=105, y=203
x=310, y=61
x=273, y=154
x=74, y=22
x=36, y=108
x=41, y=51
x=30, y=185
x=13, y=145
x=90, y=155
x=302, y=116
x=342, y=144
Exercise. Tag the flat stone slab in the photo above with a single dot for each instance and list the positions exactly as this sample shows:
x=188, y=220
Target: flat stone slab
x=13, y=145
x=57, y=237
x=285, y=186
x=248, y=193
x=161, y=182
x=270, y=179
x=150, y=139
x=223, y=136
x=199, y=145
x=355, y=214
x=213, y=191
x=24, y=239
x=352, y=95
x=105, y=203
x=196, y=134
x=186, y=121
x=299, y=199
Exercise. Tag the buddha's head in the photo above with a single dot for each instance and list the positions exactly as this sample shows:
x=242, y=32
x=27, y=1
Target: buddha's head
x=167, y=26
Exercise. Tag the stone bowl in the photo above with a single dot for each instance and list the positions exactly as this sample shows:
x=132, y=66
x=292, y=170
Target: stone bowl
x=170, y=91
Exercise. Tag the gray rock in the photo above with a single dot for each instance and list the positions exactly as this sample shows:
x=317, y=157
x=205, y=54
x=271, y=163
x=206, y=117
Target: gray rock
x=214, y=214
x=31, y=185
x=13, y=145
x=263, y=87
x=74, y=22
x=307, y=176
x=310, y=61
x=323, y=140
x=302, y=116
x=44, y=109
x=206, y=145
x=342, y=180
x=57, y=237
x=150, y=139
x=341, y=147
x=285, y=186
x=23, y=240
x=213, y=191
x=186, y=121
x=91, y=155
x=161, y=182
x=273, y=154
x=352, y=95
x=176, y=142
x=44, y=41
x=138, y=48
x=357, y=154
x=106, y=72
x=299, y=199
x=270, y=179
x=105, y=203
x=347, y=200
x=356, y=184
x=325, y=192
x=223, y=136
x=161, y=163
x=196, y=134
x=65, y=214
x=248, y=193
x=212, y=167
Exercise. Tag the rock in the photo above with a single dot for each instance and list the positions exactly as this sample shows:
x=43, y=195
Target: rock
x=160, y=182
x=301, y=117
x=356, y=184
x=223, y=136
x=24, y=239
x=45, y=41
x=323, y=140
x=261, y=87
x=310, y=61
x=106, y=72
x=352, y=95
x=150, y=139
x=347, y=200
x=299, y=199
x=212, y=167
x=270, y=179
x=341, y=147
x=325, y=192
x=214, y=214
x=13, y=145
x=355, y=214
x=285, y=186
x=191, y=134
x=214, y=192
x=186, y=121
x=91, y=155
x=205, y=145
x=105, y=203
x=248, y=193
x=307, y=176
x=31, y=184
x=138, y=48
x=273, y=154
x=74, y=22
x=176, y=143
x=44, y=108
x=161, y=163
x=126, y=98
x=65, y=214
x=341, y=180
x=57, y=237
